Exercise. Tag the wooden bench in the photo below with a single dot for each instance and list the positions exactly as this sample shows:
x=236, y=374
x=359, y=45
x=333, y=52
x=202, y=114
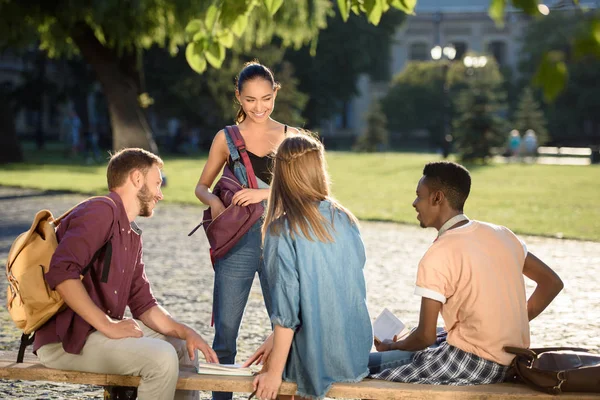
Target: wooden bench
x=32, y=370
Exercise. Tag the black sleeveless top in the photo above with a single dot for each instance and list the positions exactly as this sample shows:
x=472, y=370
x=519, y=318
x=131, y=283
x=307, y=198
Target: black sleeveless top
x=262, y=166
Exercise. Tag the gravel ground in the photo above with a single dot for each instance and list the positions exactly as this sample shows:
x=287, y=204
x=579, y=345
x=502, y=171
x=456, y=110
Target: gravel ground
x=179, y=269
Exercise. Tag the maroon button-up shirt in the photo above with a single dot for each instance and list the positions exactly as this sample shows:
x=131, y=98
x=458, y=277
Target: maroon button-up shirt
x=81, y=234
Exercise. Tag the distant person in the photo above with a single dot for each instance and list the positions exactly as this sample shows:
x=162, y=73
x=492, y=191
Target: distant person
x=473, y=275
x=530, y=143
x=446, y=145
x=256, y=90
x=92, y=333
x=514, y=143
x=314, y=261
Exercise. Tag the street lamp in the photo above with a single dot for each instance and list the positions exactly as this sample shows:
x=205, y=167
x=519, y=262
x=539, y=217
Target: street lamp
x=448, y=52
x=475, y=61
x=437, y=53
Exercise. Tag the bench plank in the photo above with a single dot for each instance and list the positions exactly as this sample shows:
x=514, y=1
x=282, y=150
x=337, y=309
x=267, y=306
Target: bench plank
x=32, y=370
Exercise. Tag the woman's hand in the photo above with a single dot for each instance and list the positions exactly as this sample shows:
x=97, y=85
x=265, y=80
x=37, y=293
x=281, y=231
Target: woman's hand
x=267, y=385
x=216, y=207
x=246, y=197
x=261, y=355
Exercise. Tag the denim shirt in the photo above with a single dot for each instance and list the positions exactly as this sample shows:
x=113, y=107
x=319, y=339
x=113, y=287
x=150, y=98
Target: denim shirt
x=318, y=290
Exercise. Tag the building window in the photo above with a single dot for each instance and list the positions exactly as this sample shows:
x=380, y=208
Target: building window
x=498, y=50
x=461, y=49
x=419, y=52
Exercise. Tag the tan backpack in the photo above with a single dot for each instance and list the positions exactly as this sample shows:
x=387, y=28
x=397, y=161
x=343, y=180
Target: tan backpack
x=30, y=301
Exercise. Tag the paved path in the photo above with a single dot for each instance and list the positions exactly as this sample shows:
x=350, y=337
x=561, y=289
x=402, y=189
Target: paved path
x=179, y=268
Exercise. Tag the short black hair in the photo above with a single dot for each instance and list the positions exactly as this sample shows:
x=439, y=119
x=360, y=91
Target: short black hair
x=452, y=179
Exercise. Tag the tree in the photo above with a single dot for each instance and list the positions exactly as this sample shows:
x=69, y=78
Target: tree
x=478, y=126
x=330, y=76
x=375, y=137
x=11, y=151
x=573, y=117
x=209, y=101
x=530, y=116
x=111, y=38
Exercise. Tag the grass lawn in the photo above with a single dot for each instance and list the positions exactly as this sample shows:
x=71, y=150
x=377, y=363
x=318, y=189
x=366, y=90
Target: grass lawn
x=549, y=200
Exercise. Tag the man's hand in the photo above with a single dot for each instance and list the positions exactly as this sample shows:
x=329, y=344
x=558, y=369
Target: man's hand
x=262, y=354
x=194, y=341
x=246, y=197
x=386, y=345
x=267, y=385
x=122, y=329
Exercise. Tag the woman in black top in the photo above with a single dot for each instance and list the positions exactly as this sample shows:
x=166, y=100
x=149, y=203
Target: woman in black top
x=256, y=90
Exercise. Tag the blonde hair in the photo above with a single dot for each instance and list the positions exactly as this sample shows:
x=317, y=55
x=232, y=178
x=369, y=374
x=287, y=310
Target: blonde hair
x=300, y=182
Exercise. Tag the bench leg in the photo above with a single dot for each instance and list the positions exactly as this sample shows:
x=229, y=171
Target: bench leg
x=120, y=393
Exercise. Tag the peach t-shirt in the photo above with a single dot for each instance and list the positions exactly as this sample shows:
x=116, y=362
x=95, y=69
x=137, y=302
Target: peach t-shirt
x=476, y=272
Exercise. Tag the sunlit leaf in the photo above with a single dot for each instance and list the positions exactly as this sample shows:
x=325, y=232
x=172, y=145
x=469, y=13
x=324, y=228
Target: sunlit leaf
x=195, y=57
x=194, y=26
x=374, y=10
x=551, y=75
x=344, y=7
x=215, y=54
x=240, y=24
x=272, y=5
x=407, y=6
x=496, y=11
x=211, y=17
x=226, y=39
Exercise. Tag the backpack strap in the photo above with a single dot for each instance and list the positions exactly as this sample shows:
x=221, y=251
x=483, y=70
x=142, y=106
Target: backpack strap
x=56, y=221
x=238, y=140
x=26, y=340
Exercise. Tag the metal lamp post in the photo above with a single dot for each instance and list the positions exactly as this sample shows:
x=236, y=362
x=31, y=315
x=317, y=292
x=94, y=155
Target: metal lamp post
x=438, y=53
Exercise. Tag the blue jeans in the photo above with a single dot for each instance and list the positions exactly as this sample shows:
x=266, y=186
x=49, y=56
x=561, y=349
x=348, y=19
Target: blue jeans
x=234, y=274
x=388, y=359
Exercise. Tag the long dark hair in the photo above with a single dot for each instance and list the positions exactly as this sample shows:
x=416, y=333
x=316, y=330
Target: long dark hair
x=252, y=70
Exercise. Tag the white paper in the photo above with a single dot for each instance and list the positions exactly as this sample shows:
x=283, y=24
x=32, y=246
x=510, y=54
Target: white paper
x=224, y=369
x=387, y=325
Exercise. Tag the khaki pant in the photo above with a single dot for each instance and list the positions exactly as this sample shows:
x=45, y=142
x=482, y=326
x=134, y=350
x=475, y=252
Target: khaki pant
x=153, y=357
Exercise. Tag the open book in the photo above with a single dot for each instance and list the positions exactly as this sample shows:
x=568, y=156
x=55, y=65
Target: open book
x=387, y=325
x=224, y=369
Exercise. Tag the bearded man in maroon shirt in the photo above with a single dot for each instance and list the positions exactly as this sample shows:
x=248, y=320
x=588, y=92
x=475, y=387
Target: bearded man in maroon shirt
x=91, y=334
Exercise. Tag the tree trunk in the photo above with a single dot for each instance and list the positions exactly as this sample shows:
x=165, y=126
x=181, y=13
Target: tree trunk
x=10, y=148
x=119, y=78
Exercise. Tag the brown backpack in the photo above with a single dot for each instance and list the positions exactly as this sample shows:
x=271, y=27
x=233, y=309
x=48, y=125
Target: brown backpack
x=30, y=302
x=556, y=369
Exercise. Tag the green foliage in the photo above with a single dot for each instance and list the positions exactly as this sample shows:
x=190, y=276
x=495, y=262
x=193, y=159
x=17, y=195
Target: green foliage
x=330, y=77
x=249, y=23
x=417, y=101
x=208, y=101
x=552, y=70
x=530, y=116
x=575, y=109
x=375, y=137
x=373, y=9
x=478, y=126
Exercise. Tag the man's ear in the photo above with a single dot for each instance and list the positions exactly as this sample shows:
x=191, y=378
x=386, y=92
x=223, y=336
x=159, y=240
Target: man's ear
x=137, y=178
x=438, y=198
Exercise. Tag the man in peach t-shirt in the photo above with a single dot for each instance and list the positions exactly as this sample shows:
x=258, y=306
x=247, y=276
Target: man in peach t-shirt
x=473, y=275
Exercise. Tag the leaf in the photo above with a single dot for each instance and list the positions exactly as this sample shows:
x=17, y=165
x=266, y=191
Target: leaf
x=407, y=6
x=496, y=12
x=194, y=26
x=211, y=17
x=272, y=5
x=240, y=24
x=195, y=57
x=215, y=54
x=551, y=75
x=344, y=7
x=226, y=39
x=374, y=10
x=587, y=41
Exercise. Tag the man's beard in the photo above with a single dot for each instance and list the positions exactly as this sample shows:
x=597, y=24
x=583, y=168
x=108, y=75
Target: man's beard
x=145, y=199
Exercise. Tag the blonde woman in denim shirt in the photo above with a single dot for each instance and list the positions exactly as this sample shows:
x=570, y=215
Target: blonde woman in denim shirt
x=314, y=259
